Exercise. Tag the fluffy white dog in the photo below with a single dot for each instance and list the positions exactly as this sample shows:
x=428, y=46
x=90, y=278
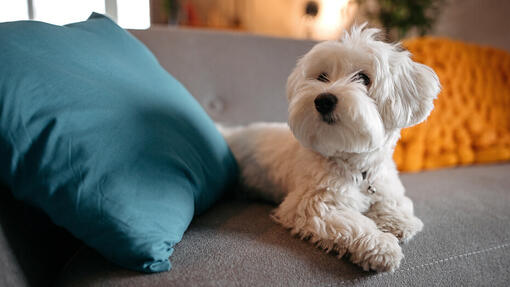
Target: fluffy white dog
x=332, y=170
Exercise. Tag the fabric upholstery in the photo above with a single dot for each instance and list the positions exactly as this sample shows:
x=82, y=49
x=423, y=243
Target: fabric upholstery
x=465, y=242
x=237, y=78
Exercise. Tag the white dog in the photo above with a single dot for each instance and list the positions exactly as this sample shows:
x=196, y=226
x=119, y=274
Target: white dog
x=332, y=170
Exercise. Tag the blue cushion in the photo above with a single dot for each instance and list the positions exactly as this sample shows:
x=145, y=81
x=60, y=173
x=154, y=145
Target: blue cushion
x=99, y=136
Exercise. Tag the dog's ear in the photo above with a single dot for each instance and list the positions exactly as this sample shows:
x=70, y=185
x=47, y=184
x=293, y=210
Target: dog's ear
x=415, y=86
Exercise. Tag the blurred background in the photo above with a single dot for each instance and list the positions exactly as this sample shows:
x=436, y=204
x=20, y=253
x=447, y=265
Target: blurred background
x=479, y=21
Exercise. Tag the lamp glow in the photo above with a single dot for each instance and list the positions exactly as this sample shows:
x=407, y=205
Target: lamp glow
x=330, y=20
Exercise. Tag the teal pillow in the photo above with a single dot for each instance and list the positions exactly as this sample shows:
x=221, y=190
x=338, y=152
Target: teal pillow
x=99, y=136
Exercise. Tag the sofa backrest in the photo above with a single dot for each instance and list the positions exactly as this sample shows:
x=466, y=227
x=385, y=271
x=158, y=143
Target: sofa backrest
x=238, y=78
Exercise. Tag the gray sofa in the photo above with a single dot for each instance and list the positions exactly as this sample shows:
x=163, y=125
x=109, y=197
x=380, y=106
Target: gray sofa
x=240, y=79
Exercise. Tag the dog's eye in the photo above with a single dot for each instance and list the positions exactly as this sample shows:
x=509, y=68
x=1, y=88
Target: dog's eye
x=362, y=77
x=323, y=77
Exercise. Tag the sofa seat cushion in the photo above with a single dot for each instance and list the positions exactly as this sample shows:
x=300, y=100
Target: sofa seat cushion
x=466, y=241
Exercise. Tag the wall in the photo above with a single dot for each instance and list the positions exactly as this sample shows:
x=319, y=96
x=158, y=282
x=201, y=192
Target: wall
x=479, y=21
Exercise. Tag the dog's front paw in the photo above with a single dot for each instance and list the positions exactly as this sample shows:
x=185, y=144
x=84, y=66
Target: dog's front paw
x=403, y=228
x=407, y=229
x=380, y=253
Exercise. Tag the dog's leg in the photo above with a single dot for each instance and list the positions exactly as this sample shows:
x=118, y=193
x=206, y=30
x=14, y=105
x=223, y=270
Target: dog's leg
x=392, y=211
x=395, y=215
x=341, y=229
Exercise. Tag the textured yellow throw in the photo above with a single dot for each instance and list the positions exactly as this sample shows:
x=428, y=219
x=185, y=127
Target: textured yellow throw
x=471, y=119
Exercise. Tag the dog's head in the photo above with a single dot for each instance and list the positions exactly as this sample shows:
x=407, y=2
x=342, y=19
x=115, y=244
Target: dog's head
x=347, y=95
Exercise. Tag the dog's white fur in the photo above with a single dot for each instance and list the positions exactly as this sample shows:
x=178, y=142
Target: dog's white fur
x=315, y=168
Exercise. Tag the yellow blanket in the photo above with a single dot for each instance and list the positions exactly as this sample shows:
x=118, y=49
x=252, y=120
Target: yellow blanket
x=471, y=119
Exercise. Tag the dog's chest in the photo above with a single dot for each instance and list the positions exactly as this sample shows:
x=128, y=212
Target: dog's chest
x=344, y=188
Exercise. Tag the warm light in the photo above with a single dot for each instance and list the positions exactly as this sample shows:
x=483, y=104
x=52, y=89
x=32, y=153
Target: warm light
x=329, y=22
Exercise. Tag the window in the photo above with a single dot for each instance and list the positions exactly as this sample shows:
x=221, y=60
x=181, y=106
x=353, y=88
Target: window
x=129, y=14
x=12, y=10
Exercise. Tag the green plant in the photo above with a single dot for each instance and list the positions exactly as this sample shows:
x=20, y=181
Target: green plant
x=405, y=15
x=172, y=9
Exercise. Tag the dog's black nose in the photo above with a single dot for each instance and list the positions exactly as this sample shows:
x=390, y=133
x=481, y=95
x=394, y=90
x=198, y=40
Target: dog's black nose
x=325, y=103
